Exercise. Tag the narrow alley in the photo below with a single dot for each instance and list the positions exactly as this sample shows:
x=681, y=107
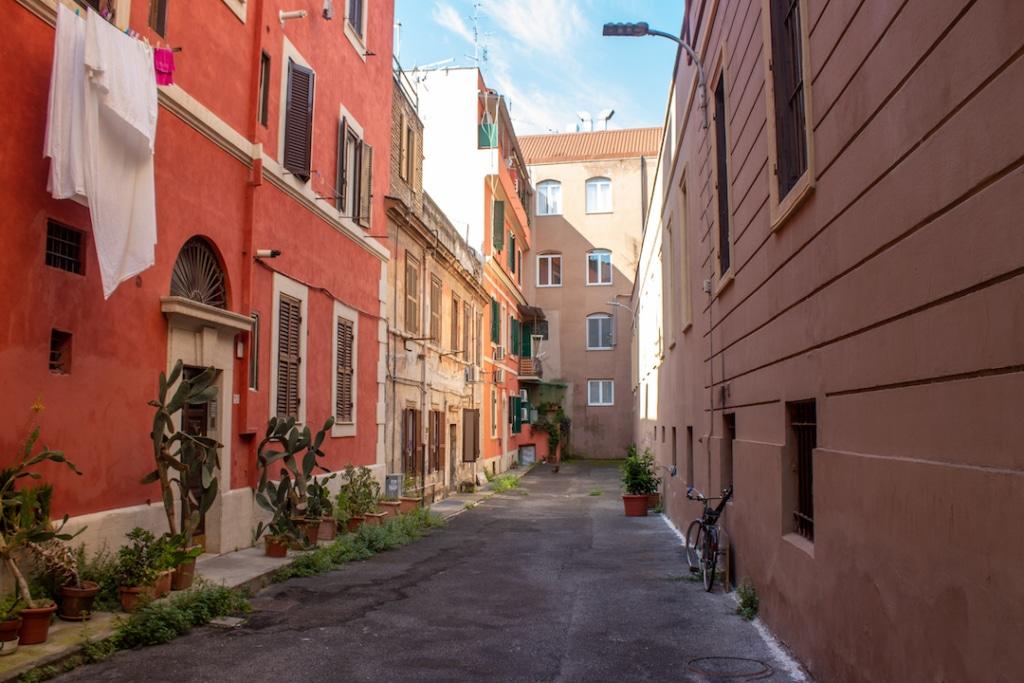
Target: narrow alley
x=548, y=582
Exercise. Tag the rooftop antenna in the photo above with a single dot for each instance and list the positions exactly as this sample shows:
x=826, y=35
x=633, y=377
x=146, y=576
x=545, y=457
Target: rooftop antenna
x=479, y=38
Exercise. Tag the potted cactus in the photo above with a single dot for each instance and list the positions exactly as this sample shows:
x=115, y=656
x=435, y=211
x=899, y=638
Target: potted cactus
x=138, y=568
x=62, y=565
x=10, y=623
x=183, y=458
x=25, y=519
x=292, y=454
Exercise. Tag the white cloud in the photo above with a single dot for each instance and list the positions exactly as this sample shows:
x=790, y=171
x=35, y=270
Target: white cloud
x=447, y=17
x=549, y=27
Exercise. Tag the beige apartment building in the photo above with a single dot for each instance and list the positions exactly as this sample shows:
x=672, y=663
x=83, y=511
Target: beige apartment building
x=435, y=303
x=590, y=190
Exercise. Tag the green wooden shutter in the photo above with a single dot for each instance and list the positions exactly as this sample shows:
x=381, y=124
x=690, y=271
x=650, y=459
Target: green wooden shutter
x=527, y=343
x=498, y=224
x=487, y=136
x=511, y=253
x=517, y=415
x=495, y=322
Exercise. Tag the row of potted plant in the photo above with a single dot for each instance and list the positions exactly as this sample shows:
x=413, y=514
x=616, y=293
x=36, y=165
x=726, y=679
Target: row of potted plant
x=639, y=483
x=301, y=506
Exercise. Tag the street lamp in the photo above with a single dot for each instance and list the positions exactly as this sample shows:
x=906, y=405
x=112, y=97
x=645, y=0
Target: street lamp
x=639, y=29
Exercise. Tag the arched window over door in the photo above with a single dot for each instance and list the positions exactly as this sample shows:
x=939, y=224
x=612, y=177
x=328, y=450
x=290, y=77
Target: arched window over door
x=198, y=275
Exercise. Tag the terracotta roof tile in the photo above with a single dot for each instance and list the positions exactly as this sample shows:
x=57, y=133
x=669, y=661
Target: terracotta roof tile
x=605, y=144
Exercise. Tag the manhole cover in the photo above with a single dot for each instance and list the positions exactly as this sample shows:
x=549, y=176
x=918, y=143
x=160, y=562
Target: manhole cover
x=735, y=668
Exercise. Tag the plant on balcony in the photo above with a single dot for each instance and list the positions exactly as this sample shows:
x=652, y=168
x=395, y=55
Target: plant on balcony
x=638, y=481
x=25, y=520
x=294, y=454
x=184, y=460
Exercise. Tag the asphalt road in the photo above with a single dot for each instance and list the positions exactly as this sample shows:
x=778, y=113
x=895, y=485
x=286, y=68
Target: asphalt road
x=549, y=584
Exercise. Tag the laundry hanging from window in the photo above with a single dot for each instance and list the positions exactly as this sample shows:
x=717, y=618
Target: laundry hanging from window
x=100, y=137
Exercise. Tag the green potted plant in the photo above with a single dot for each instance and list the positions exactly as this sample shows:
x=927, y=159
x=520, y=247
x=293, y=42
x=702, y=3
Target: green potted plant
x=62, y=566
x=10, y=623
x=25, y=519
x=179, y=558
x=638, y=481
x=364, y=492
x=293, y=455
x=137, y=568
x=321, y=509
x=409, y=500
x=186, y=468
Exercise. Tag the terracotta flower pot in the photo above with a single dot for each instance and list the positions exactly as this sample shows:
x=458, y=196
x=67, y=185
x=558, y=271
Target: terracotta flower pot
x=636, y=506
x=132, y=596
x=653, y=500
x=328, y=529
x=353, y=523
x=9, y=634
x=275, y=547
x=76, y=603
x=390, y=508
x=162, y=585
x=408, y=503
x=375, y=518
x=183, y=575
x=35, y=624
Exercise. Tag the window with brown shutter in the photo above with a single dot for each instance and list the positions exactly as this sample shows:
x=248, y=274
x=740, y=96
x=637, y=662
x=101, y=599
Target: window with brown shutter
x=434, y=435
x=157, y=15
x=298, y=120
x=411, y=451
x=365, y=184
x=344, y=372
x=467, y=322
x=722, y=180
x=470, y=435
x=454, y=346
x=435, y=310
x=412, y=294
x=340, y=181
x=289, y=328
x=403, y=146
x=788, y=87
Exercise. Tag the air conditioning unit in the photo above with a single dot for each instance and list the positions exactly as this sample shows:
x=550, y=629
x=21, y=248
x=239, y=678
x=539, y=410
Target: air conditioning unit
x=522, y=395
x=499, y=376
x=499, y=353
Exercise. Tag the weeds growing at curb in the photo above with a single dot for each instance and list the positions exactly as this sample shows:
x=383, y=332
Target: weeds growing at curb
x=596, y=492
x=748, y=600
x=369, y=540
x=504, y=482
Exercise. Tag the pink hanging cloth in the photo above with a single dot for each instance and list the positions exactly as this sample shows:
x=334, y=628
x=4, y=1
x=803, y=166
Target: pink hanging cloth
x=163, y=63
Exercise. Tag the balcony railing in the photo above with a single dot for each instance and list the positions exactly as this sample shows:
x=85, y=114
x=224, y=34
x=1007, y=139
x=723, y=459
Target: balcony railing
x=530, y=368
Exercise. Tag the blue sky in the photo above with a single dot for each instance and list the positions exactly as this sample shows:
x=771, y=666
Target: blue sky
x=548, y=56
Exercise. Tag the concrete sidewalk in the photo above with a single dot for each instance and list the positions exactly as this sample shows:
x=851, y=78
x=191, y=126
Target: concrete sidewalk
x=457, y=503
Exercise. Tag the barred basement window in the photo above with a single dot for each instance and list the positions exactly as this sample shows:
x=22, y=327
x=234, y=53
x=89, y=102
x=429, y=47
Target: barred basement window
x=803, y=425
x=63, y=247
x=60, y=352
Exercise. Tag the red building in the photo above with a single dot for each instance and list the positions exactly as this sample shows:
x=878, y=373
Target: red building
x=274, y=137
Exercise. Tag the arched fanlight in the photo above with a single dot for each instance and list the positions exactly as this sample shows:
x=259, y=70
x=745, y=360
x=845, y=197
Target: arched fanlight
x=197, y=274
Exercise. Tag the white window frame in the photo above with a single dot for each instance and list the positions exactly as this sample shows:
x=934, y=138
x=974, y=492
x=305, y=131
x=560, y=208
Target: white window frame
x=550, y=258
x=597, y=182
x=603, y=400
x=593, y=317
x=351, y=315
x=542, y=191
x=358, y=42
x=296, y=290
x=611, y=277
x=356, y=129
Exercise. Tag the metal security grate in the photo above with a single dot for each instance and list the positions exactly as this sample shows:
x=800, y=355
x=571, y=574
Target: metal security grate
x=197, y=274
x=804, y=422
x=63, y=247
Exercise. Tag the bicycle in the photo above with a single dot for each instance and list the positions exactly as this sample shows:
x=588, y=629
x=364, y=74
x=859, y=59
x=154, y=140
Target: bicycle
x=702, y=535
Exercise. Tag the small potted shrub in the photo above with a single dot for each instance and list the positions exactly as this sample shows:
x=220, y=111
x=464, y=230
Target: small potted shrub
x=409, y=500
x=179, y=557
x=10, y=623
x=62, y=565
x=137, y=570
x=638, y=482
x=366, y=493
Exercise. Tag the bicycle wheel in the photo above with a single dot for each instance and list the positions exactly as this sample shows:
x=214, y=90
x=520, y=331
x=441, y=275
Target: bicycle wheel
x=694, y=536
x=710, y=557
